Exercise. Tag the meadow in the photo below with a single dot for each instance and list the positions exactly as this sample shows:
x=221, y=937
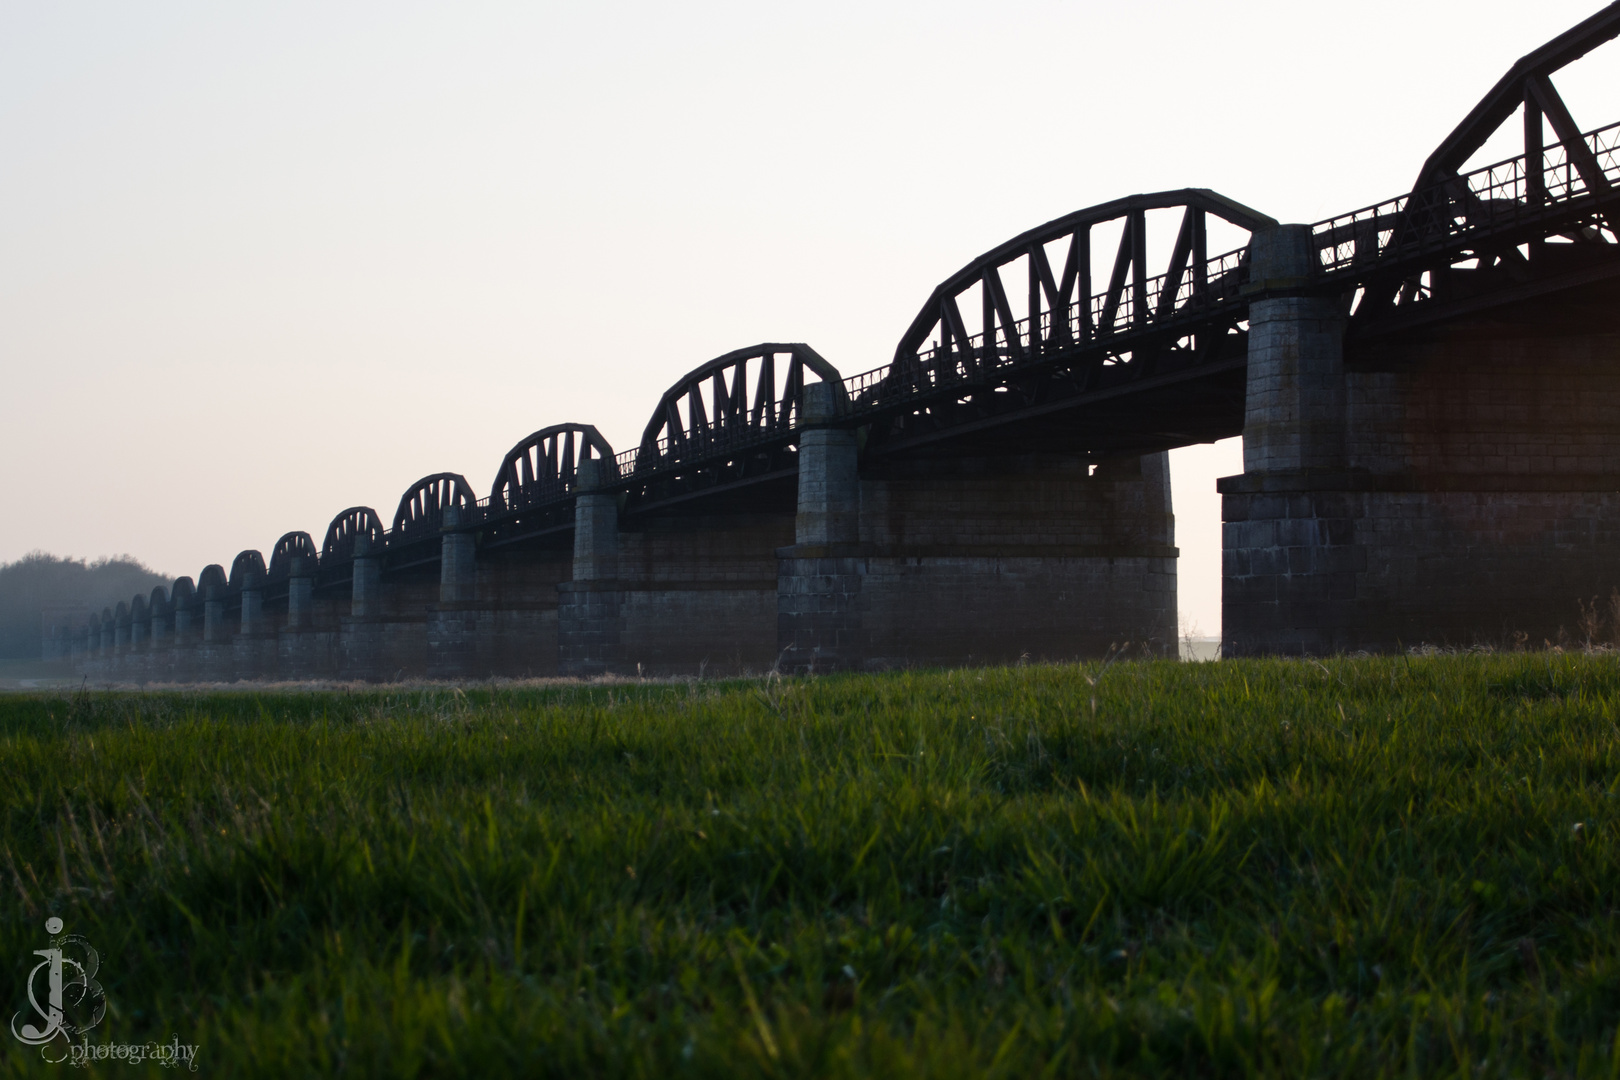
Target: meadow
x=1354, y=867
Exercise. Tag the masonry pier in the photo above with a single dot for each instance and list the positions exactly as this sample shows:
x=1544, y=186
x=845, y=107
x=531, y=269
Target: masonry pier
x=951, y=558
x=1449, y=485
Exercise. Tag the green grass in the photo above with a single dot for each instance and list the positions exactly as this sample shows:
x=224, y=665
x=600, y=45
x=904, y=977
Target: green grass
x=1355, y=868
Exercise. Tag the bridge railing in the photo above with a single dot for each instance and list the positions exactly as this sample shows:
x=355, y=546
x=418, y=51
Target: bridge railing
x=624, y=462
x=1495, y=198
x=698, y=447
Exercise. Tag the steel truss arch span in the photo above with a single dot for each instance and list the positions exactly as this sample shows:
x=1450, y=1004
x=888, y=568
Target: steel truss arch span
x=183, y=594
x=1065, y=310
x=729, y=422
x=1059, y=336
x=683, y=426
x=421, y=509
x=541, y=467
x=247, y=570
x=293, y=545
x=1517, y=224
x=1525, y=85
x=349, y=526
x=212, y=582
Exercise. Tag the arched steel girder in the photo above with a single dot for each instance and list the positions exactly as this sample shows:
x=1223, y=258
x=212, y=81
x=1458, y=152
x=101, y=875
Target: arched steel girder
x=345, y=529
x=212, y=582
x=1178, y=319
x=1525, y=84
x=183, y=594
x=293, y=545
x=421, y=509
x=542, y=466
x=726, y=424
x=744, y=407
x=247, y=570
x=1457, y=235
x=1062, y=310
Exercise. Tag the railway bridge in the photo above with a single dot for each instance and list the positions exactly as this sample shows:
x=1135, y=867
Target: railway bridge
x=1428, y=390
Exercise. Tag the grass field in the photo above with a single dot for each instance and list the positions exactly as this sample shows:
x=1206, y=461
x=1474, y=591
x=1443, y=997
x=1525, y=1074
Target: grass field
x=1360, y=867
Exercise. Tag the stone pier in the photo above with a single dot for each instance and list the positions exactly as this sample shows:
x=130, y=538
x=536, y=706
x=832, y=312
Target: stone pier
x=1452, y=485
x=671, y=593
x=953, y=557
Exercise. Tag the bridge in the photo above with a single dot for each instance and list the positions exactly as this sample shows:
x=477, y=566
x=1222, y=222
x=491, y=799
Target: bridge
x=1428, y=388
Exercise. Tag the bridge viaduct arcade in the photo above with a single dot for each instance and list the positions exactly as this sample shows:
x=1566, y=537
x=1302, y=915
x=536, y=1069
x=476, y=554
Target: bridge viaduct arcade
x=1428, y=390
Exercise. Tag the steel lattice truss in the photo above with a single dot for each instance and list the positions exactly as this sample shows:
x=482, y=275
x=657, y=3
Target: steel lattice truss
x=543, y=466
x=534, y=487
x=1073, y=340
x=730, y=421
x=355, y=523
x=420, y=518
x=1538, y=222
x=421, y=509
x=248, y=566
x=212, y=582
x=292, y=546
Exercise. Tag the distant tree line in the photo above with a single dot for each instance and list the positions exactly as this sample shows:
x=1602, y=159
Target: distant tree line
x=38, y=582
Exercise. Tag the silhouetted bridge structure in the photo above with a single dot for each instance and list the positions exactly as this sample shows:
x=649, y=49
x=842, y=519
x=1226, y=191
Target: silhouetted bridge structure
x=1428, y=390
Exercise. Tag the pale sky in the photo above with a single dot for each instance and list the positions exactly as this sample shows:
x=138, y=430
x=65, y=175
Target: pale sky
x=259, y=263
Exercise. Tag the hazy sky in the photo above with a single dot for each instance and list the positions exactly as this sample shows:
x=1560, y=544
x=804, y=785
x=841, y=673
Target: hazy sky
x=262, y=262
